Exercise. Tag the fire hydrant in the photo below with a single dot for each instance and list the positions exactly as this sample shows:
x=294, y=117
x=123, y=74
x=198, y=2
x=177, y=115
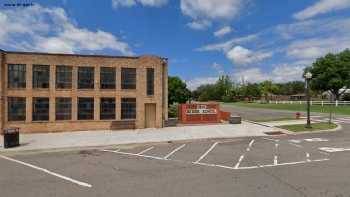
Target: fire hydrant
x=297, y=115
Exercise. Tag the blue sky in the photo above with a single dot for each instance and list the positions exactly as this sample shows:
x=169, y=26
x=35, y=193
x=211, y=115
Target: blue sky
x=249, y=40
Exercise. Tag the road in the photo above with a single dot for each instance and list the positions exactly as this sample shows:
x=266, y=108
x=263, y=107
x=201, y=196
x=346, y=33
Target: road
x=313, y=165
x=260, y=166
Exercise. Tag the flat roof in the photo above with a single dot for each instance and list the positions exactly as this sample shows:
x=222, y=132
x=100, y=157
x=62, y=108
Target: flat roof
x=75, y=55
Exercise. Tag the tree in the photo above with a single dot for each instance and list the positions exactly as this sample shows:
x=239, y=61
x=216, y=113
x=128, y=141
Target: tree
x=266, y=88
x=249, y=90
x=331, y=73
x=177, y=91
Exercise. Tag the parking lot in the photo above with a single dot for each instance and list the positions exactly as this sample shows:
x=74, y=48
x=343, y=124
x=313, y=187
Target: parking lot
x=260, y=166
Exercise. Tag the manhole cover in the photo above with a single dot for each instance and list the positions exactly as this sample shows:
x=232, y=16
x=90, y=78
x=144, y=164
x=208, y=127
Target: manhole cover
x=274, y=133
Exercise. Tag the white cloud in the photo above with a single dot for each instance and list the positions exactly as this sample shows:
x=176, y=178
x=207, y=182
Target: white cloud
x=196, y=82
x=130, y=3
x=199, y=24
x=210, y=10
x=224, y=46
x=50, y=30
x=322, y=7
x=223, y=31
x=224, y=9
x=218, y=68
x=280, y=74
x=240, y=55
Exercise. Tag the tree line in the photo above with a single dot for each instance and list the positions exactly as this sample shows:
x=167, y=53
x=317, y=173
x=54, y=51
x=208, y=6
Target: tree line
x=330, y=73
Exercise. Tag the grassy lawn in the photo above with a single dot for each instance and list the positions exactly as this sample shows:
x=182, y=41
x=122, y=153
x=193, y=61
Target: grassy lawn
x=315, y=127
x=342, y=109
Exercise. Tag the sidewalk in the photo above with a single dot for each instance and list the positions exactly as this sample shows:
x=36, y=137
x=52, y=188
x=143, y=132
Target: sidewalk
x=108, y=138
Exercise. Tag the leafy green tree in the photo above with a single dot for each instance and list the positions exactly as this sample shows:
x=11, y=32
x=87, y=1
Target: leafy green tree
x=267, y=88
x=177, y=91
x=249, y=90
x=331, y=73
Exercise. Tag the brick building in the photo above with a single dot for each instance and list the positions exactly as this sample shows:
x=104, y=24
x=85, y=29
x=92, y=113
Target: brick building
x=42, y=92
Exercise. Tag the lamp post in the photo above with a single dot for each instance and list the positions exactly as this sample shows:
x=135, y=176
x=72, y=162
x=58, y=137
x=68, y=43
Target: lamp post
x=308, y=77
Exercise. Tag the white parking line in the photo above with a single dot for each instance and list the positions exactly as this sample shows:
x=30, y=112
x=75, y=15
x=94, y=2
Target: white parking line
x=308, y=157
x=275, y=160
x=239, y=161
x=148, y=149
x=207, y=152
x=250, y=145
x=174, y=151
x=296, y=145
x=47, y=171
x=133, y=154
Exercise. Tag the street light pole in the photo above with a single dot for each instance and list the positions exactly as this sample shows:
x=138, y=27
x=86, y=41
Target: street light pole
x=308, y=77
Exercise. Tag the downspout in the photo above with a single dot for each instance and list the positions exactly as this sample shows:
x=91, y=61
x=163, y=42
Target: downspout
x=2, y=90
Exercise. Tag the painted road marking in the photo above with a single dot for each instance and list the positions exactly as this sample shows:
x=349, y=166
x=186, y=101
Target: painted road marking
x=47, y=171
x=333, y=150
x=275, y=140
x=148, y=149
x=275, y=160
x=207, y=152
x=308, y=157
x=295, y=141
x=239, y=161
x=250, y=145
x=133, y=154
x=296, y=145
x=174, y=151
x=316, y=140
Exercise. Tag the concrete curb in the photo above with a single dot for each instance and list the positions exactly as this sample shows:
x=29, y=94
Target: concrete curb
x=339, y=127
x=261, y=124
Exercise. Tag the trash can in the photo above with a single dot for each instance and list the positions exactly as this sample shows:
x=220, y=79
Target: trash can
x=11, y=137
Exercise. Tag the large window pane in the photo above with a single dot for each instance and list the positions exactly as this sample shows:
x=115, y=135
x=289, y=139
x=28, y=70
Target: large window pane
x=107, y=78
x=41, y=106
x=128, y=108
x=64, y=77
x=86, y=78
x=128, y=78
x=16, y=76
x=107, y=109
x=16, y=108
x=41, y=76
x=85, y=108
x=150, y=81
x=63, y=108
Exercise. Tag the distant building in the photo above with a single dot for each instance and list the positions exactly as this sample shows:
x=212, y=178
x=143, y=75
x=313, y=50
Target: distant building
x=42, y=92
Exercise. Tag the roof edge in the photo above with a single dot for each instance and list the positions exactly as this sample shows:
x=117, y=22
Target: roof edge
x=74, y=55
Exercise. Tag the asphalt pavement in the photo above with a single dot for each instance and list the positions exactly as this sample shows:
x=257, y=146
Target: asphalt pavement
x=256, y=166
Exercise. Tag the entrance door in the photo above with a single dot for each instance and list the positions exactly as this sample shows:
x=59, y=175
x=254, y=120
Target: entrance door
x=150, y=115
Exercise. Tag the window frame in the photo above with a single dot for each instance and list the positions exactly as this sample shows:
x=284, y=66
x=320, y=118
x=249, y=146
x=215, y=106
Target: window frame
x=128, y=114
x=40, y=79
x=60, y=105
x=67, y=77
x=87, y=85
x=24, y=115
x=22, y=73
x=149, y=81
x=107, y=115
x=79, y=112
x=128, y=83
x=108, y=84
x=34, y=107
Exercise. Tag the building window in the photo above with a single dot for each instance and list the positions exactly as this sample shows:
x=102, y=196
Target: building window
x=63, y=108
x=128, y=78
x=86, y=77
x=107, y=78
x=41, y=76
x=107, y=109
x=128, y=108
x=16, y=108
x=64, y=77
x=16, y=76
x=86, y=109
x=41, y=108
x=150, y=81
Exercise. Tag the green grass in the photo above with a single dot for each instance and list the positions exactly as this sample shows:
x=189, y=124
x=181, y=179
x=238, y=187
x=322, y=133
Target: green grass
x=342, y=109
x=315, y=127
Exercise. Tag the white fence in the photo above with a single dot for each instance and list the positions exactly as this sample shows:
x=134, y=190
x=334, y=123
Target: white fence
x=322, y=103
